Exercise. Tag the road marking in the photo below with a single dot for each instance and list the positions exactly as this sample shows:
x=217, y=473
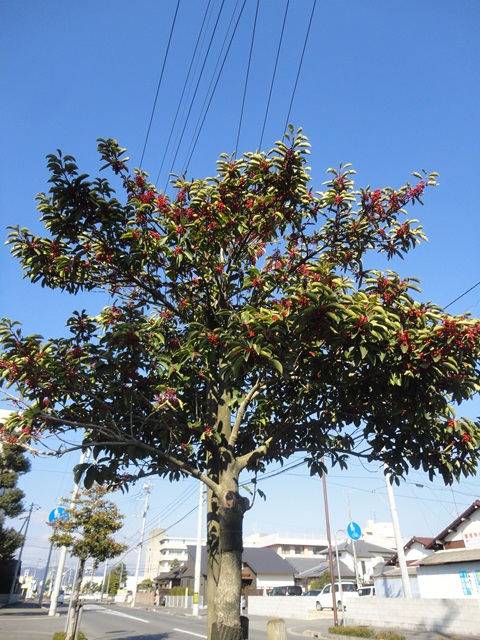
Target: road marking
x=95, y=607
x=190, y=633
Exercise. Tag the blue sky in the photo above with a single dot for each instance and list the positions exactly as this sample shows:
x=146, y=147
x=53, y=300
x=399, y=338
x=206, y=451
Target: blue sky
x=389, y=86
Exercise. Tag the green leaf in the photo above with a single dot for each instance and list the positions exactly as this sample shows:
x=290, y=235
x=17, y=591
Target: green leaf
x=277, y=365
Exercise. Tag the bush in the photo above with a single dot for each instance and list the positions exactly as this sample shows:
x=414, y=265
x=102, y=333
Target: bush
x=358, y=632
x=61, y=635
x=180, y=591
x=365, y=632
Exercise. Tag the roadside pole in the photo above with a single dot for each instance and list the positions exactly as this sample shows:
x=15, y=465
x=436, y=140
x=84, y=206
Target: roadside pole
x=198, y=554
x=63, y=551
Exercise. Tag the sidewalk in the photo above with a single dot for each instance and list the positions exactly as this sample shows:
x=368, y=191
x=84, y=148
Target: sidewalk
x=28, y=621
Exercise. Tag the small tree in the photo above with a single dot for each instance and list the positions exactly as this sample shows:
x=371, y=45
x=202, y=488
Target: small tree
x=12, y=464
x=246, y=325
x=88, y=533
x=116, y=578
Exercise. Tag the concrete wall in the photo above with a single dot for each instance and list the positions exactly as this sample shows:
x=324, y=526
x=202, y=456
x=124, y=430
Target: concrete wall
x=443, y=615
x=283, y=606
x=448, y=616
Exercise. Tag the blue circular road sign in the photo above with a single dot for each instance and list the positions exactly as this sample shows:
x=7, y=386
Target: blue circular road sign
x=354, y=531
x=58, y=513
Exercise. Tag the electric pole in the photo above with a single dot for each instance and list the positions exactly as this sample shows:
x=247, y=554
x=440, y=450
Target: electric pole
x=146, y=488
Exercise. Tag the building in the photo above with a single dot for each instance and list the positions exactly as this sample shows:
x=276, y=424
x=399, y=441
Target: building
x=446, y=566
x=162, y=551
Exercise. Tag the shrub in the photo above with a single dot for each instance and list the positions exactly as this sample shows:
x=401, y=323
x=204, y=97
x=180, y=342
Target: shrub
x=365, y=632
x=61, y=635
x=358, y=632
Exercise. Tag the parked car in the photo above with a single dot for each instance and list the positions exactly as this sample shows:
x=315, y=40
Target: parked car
x=325, y=600
x=312, y=592
x=289, y=590
x=368, y=591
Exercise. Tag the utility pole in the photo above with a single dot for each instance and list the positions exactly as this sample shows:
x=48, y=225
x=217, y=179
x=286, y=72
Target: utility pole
x=63, y=550
x=198, y=554
x=146, y=487
x=329, y=538
x=19, y=559
x=407, y=591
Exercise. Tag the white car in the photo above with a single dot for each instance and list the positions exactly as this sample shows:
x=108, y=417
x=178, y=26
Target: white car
x=324, y=600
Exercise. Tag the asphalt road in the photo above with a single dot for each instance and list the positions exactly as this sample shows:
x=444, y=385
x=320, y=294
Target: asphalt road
x=27, y=621
x=116, y=622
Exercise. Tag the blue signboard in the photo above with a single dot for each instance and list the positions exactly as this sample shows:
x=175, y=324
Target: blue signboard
x=58, y=513
x=354, y=531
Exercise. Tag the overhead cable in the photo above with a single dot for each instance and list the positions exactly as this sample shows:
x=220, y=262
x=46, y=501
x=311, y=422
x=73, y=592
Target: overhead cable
x=461, y=296
x=192, y=147
x=274, y=72
x=194, y=56
x=160, y=82
x=196, y=89
x=300, y=65
x=247, y=76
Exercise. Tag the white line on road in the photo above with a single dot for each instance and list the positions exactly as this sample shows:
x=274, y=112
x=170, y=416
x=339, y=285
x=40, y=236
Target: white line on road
x=94, y=607
x=190, y=633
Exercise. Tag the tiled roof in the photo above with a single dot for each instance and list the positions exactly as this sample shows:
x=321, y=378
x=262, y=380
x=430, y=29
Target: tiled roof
x=451, y=555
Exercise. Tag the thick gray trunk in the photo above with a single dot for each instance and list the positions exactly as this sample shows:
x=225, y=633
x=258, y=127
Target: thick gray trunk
x=228, y=586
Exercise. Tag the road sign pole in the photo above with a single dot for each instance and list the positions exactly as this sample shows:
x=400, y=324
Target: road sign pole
x=63, y=551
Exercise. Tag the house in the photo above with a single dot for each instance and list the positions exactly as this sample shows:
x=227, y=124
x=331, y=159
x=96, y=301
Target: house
x=446, y=566
x=367, y=557
x=289, y=547
x=262, y=569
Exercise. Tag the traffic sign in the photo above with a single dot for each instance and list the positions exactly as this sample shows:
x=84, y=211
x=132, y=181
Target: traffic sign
x=354, y=531
x=58, y=513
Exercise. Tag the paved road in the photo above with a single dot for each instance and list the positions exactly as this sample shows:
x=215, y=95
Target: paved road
x=26, y=621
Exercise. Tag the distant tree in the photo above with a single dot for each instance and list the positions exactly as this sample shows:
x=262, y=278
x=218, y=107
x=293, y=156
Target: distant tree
x=88, y=533
x=116, y=577
x=146, y=585
x=251, y=320
x=175, y=564
x=321, y=581
x=13, y=463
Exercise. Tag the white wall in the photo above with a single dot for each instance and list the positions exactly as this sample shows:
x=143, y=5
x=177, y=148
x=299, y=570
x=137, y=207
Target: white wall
x=393, y=587
x=445, y=581
x=283, y=607
x=266, y=581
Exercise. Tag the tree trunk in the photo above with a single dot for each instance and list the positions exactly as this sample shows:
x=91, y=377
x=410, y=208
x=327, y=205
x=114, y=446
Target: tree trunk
x=73, y=609
x=227, y=563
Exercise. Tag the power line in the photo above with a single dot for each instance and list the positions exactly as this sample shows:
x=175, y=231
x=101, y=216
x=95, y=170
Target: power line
x=160, y=81
x=194, y=55
x=301, y=63
x=247, y=76
x=196, y=89
x=274, y=72
x=461, y=296
x=200, y=127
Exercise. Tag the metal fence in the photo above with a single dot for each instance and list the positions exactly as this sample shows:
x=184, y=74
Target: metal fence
x=182, y=602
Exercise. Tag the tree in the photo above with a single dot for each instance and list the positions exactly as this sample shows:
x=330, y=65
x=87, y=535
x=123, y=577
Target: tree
x=245, y=326
x=12, y=463
x=116, y=578
x=175, y=564
x=88, y=533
